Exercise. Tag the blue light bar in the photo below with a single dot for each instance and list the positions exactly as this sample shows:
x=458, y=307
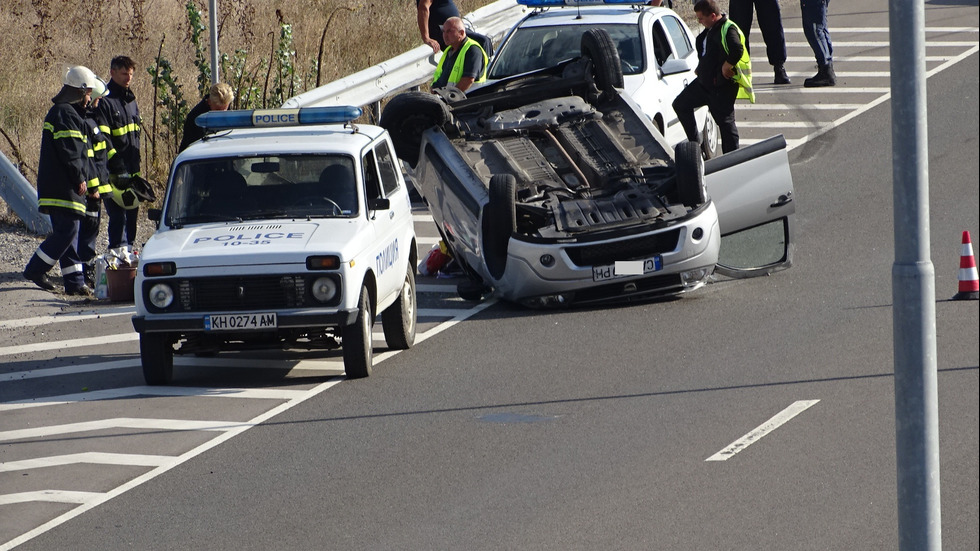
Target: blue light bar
x=250, y=118
x=552, y=3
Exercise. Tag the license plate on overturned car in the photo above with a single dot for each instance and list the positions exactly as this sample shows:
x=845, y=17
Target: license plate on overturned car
x=623, y=268
x=238, y=322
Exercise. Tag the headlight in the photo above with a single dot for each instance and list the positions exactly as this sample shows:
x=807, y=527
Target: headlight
x=161, y=295
x=324, y=289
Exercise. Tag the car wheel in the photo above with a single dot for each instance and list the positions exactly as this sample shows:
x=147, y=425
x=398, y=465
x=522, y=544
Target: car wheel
x=157, y=357
x=598, y=46
x=398, y=320
x=499, y=222
x=358, y=345
x=709, y=138
x=406, y=116
x=689, y=174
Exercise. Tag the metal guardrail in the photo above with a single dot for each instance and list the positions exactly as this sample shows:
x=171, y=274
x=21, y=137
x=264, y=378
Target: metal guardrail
x=408, y=70
x=21, y=197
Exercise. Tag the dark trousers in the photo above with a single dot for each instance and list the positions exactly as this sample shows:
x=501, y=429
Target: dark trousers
x=59, y=248
x=770, y=23
x=121, y=219
x=721, y=105
x=815, y=30
x=88, y=231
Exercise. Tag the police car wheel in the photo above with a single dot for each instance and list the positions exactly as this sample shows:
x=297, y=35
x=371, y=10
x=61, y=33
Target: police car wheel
x=709, y=138
x=499, y=222
x=689, y=176
x=398, y=320
x=358, y=345
x=157, y=357
x=598, y=46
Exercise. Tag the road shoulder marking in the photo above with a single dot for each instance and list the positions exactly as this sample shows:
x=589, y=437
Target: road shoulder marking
x=772, y=424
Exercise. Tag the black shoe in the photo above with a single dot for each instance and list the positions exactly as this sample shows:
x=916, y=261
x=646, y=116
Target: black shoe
x=41, y=280
x=83, y=291
x=780, y=75
x=825, y=77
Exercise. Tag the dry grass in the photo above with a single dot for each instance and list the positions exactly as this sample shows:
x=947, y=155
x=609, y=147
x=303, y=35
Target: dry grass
x=41, y=38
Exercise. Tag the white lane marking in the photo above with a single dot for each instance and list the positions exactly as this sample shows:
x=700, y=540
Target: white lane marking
x=836, y=90
x=119, y=490
x=781, y=124
x=53, y=496
x=61, y=318
x=69, y=370
x=864, y=30
x=885, y=44
x=118, y=423
x=772, y=424
x=428, y=240
x=126, y=392
x=792, y=107
x=70, y=343
x=94, y=458
x=838, y=59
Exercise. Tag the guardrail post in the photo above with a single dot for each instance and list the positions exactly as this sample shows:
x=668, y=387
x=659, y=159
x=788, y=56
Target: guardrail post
x=21, y=197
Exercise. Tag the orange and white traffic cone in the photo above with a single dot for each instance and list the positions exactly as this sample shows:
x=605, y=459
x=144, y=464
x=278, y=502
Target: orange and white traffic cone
x=969, y=281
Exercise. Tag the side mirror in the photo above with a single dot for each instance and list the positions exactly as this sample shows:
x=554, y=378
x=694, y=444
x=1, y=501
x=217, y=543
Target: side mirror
x=674, y=66
x=379, y=204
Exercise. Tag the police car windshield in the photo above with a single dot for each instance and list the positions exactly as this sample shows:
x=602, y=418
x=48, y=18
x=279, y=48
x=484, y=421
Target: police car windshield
x=263, y=187
x=533, y=48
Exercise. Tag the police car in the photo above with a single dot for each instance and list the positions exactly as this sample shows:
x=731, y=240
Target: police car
x=283, y=228
x=654, y=45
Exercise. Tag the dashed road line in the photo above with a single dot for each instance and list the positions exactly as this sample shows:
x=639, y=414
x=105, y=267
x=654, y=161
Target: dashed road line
x=772, y=424
x=53, y=496
x=131, y=391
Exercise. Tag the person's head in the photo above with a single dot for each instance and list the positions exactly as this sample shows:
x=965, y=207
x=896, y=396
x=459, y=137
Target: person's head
x=121, y=70
x=220, y=96
x=77, y=84
x=707, y=12
x=453, y=32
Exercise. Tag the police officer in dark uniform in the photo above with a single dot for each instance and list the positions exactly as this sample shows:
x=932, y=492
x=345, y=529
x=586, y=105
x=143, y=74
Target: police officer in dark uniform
x=120, y=116
x=714, y=85
x=62, y=183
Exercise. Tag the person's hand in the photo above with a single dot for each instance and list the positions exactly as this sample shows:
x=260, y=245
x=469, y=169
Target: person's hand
x=727, y=70
x=94, y=194
x=82, y=188
x=434, y=44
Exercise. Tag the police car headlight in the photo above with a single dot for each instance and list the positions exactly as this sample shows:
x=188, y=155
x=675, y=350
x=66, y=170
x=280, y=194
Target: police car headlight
x=324, y=289
x=161, y=295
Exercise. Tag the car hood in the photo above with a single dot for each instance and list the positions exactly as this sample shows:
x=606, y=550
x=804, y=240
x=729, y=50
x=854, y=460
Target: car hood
x=239, y=244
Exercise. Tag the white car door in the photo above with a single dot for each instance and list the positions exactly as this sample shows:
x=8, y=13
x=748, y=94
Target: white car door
x=752, y=189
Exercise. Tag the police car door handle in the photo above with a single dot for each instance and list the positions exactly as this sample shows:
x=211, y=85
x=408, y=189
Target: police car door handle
x=782, y=200
x=391, y=214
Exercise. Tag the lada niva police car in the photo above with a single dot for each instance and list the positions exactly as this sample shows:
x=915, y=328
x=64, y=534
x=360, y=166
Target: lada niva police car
x=282, y=228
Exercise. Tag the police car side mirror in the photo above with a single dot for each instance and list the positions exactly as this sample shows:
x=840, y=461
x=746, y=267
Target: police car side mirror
x=379, y=204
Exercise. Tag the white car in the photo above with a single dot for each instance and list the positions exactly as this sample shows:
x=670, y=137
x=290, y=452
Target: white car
x=282, y=228
x=655, y=46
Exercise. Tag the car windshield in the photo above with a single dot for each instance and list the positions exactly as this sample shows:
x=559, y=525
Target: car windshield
x=262, y=187
x=533, y=48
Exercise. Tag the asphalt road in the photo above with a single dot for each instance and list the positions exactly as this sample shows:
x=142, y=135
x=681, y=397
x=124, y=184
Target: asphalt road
x=753, y=414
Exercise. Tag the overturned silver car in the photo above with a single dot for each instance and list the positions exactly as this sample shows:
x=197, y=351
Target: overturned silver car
x=553, y=188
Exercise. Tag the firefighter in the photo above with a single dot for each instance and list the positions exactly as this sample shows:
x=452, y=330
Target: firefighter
x=119, y=117
x=62, y=183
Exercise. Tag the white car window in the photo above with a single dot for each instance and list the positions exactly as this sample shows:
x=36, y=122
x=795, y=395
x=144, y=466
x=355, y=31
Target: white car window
x=533, y=48
x=680, y=38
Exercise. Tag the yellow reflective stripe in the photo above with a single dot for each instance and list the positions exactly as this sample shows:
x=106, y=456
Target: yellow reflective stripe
x=61, y=203
x=90, y=153
x=99, y=146
x=69, y=134
x=123, y=130
x=104, y=188
x=104, y=129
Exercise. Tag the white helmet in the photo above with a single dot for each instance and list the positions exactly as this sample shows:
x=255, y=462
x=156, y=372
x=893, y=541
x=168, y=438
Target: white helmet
x=80, y=77
x=100, y=89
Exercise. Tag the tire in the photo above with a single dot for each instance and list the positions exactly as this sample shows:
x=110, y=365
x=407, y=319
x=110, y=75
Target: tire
x=689, y=175
x=598, y=46
x=157, y=357
x=709, y=138
x=471, y=291
x=407, y=115
x=398, y=320
x=358, y=345
x=499, y=222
